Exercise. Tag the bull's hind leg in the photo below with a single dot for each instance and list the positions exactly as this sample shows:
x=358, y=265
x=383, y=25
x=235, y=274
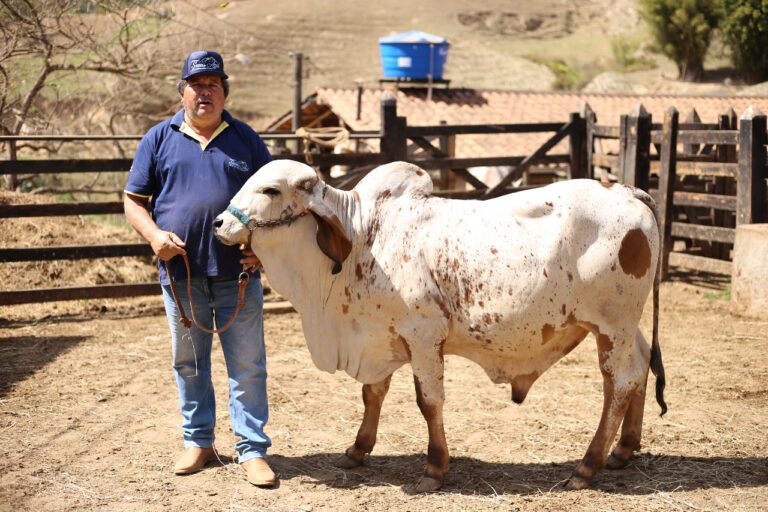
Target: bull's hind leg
x=373, y=398
x=632, y=426
x=622, y=374
x=428, y=379
x=631, y=429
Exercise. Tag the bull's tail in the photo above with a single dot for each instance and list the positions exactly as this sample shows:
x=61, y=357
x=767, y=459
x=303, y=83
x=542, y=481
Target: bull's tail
x=657, y=367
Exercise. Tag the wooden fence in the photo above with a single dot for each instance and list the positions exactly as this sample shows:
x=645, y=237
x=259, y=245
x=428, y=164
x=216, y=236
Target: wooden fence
x=713, y=178
x=706, y=178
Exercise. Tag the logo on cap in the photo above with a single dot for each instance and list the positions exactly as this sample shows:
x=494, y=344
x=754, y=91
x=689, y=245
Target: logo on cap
x=207, y=63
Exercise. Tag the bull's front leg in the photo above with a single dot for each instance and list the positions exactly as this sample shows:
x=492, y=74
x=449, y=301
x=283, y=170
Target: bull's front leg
x=373, y=398
x=428, y=379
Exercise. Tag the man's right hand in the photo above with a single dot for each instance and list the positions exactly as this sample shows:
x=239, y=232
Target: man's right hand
x=166, y=245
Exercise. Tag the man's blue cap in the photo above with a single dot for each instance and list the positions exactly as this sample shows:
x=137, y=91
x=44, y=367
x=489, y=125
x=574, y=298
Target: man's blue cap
x=204, y=62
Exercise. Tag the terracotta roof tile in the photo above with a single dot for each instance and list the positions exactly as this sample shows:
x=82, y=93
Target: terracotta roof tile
x=472, y=106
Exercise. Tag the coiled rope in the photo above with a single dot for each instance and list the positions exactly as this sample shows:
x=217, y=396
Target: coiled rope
x=319, y=136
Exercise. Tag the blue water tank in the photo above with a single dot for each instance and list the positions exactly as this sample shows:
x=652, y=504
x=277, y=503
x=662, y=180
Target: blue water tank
x=413, y=54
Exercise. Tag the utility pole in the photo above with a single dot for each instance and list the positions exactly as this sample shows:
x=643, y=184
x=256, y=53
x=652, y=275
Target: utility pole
x=296, y=122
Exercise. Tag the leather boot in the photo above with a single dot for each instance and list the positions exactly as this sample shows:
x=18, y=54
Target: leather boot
x=192, y=460
x=258, y=472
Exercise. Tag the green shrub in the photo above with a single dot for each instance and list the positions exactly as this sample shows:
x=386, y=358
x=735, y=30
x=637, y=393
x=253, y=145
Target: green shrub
x=625, y=50
x=682, y=30
x=567, y=77
x=744, y=24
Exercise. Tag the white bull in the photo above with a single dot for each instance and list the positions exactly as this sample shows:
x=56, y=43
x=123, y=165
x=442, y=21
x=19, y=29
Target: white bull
x=386, y=274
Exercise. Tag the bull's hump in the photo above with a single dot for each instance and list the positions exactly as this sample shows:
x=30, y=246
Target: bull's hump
x=394, y=180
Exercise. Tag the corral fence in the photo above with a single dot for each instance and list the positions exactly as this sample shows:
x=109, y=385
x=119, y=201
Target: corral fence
x=717, y=180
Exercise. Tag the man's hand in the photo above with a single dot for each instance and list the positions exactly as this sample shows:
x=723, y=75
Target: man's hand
x=251, y=262
x=167, y=245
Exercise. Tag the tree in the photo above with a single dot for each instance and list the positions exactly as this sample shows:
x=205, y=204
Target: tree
x=47, y=43
x=744, y=24
x=682, y=29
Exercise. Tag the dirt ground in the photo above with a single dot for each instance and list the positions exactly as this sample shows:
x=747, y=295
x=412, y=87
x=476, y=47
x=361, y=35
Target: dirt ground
x=89, y=413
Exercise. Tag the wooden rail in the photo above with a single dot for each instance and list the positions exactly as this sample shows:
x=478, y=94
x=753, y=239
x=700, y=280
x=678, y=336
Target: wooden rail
x=702, y=192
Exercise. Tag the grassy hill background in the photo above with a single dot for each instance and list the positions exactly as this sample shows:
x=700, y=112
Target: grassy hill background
x=496, y=44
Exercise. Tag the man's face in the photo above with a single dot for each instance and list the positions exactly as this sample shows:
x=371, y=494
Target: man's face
x=203, y=99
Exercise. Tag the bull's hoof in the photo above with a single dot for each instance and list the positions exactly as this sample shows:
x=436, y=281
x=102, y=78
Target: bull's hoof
x=577, y=482
x=347, y=462
x=614, y=462
x=429, y=483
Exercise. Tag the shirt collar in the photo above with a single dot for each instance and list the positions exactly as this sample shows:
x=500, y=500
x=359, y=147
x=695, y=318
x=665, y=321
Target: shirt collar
x=178, y=123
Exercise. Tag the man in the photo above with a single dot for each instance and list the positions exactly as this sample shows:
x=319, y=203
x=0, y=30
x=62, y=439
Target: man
x=185, y=171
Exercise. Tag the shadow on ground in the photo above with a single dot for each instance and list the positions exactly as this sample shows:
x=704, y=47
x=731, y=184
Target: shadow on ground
x=646, y=474
x=22, y=356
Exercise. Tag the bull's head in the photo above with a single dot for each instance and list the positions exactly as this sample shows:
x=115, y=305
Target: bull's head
x=279, y=194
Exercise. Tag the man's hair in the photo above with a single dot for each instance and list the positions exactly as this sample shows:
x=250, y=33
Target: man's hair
x=224, y=85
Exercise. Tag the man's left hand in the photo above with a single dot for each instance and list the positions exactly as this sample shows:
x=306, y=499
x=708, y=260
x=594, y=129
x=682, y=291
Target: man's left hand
x=251, y=262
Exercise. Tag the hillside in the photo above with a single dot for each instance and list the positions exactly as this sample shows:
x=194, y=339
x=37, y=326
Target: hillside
x=489, y=44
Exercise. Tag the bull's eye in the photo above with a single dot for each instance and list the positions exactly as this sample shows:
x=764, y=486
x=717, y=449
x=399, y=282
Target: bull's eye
x=272, y=192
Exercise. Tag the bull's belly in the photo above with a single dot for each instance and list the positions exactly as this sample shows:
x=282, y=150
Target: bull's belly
x=516, y=354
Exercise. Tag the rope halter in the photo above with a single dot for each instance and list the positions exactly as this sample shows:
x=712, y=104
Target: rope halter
x=252, y=224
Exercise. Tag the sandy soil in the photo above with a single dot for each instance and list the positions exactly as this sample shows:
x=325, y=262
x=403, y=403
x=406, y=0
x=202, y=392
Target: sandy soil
x=89, y=421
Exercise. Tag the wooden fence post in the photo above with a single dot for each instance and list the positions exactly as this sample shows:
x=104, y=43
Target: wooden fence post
x=590, y=119
x=577, y=142
x=637, y=163
x=726, y=153
x=388, y=124
x=692, y=117
x=668, y=161
x=448, y=147
x=750, y=186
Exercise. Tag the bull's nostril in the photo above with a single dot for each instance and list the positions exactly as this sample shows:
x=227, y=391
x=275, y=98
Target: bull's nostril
x=217, y=222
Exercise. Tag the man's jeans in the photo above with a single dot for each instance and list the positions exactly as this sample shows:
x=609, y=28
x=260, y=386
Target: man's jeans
x=244, y=353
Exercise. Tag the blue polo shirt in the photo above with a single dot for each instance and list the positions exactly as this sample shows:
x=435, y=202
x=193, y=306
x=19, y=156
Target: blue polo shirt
x=191, y=185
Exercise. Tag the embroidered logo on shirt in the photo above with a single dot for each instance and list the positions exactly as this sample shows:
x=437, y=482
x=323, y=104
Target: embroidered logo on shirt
x=240, y=165
x=207, y=63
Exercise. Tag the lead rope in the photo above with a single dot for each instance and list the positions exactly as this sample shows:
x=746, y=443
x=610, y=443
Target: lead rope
x=242, y=282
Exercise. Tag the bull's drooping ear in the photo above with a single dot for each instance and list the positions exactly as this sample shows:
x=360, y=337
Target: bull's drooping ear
x=331, y=236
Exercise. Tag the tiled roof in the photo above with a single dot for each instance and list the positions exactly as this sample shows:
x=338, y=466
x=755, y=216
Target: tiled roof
x=472, y=106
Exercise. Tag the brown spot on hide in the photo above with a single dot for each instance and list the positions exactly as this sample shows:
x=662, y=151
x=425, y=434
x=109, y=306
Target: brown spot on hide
x=346, y=292
x=419, y=173
x=378, y=306
x=521, y=384
x=345, y=308
x=547, y=333
x=359, y=272
x=570, y=276
x=487, y=318
x=563, y=309
x=604, y=343
x=549, y=204
x=545, y=273
x=635, y=253
x=606, y=184
x=494, y=250
x=406, y=258
x=385, y=194
x=392, y=329
x=481, y=304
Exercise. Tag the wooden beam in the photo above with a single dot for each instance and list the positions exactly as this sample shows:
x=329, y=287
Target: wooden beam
x=527, y=162
x=74, y=252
